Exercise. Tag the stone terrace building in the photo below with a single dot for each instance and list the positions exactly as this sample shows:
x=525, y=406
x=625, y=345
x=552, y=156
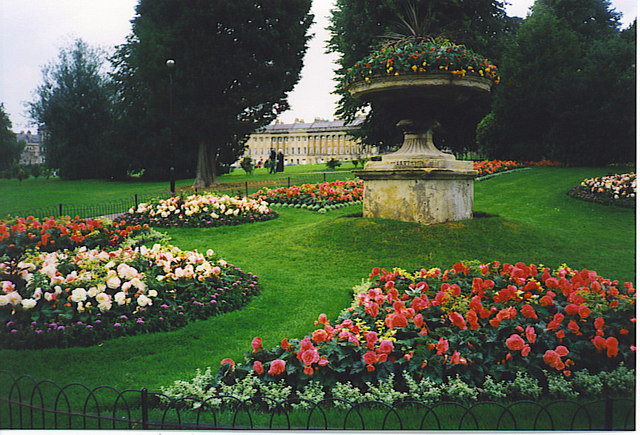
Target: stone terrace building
x=32, y=154
x=307, y=143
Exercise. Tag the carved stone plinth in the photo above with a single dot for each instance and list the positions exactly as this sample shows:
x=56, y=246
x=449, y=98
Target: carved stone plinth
x=419, y=183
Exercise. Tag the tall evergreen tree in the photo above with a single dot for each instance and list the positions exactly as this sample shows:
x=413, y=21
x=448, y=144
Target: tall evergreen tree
x=357, y=26
x=234, y=64
x=10, y=147
x=73, y=109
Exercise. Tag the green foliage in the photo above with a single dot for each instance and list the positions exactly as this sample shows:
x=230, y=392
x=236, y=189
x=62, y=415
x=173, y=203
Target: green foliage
x=567, y=90
x=333, y=163
x=247, y=165
x=10, y=147
x=358, y=25
x=234, y=63
x=74, y=107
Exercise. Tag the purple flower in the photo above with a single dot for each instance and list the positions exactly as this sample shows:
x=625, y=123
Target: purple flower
x=89, y=327
x=60, y=328
x=139, y=321
x=123, y=317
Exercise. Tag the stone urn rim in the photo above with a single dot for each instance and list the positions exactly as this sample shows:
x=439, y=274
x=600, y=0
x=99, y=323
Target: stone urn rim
x=419, y=84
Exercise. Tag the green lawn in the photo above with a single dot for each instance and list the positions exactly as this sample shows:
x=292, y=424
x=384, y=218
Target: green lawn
x=308, y=263
x=32, y=193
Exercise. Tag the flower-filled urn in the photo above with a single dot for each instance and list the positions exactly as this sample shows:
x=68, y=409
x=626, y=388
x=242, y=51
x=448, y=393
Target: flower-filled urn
x=421, y=83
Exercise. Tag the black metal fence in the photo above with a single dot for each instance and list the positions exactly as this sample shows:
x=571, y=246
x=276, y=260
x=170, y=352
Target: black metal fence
x=29, y=404
x=115, y=207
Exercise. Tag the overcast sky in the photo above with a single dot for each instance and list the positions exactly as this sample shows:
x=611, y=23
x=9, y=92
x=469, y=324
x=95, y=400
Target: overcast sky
x=33, y=31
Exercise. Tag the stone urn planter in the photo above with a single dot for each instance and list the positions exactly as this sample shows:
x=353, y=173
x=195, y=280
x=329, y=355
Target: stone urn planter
x=420, y=183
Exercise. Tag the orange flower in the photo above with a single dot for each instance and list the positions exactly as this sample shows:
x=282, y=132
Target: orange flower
x=528, y=311
x=227, y=360
x=258, y=368
x=530, y=333
x=457, y=319
x=515, y=342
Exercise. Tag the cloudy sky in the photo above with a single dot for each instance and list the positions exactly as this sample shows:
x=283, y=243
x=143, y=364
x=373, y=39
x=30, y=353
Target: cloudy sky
x=33, y=31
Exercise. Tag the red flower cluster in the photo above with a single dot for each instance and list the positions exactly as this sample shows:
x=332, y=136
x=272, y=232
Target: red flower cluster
x=334, y=192
x=53, y=234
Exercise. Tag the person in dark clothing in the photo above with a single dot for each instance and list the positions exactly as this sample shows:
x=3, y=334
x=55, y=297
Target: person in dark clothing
x=272, y=161
x=280, y=162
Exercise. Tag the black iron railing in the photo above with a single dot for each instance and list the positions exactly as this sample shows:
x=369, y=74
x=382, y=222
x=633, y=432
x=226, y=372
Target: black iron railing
x=115, y=207
x=29, y=404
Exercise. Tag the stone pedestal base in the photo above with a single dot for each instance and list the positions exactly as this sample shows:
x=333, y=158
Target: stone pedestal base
x=427, y=191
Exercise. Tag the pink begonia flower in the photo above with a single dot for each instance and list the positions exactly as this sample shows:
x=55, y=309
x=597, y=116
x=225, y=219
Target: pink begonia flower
x=277, y=367
x=256, y=344
x=258, y=368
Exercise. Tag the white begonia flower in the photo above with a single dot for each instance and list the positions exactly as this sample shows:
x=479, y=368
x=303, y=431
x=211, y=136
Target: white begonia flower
x=222, y=263
x=8, y=286
x=14, y=298
x=126, y=286
x=58, y=290
x=4, y=300
x=179, y=273
x=103, y=297
x=138, y=283
x=28, y=304
x=153, y=293
x=104, y=306
x=113, y=282
x=80, y=307
x=209, y=252
x=48, y=296
x=102, y=287
x=28, y=266
x=120, y=298
x=78, y=295
x=37, y=294
x=93, y=291
x=143, y=301
x=110, y=264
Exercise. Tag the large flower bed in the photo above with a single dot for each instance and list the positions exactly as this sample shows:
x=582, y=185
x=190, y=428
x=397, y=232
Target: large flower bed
x=423, y=57
x=618, y=189
x=318, y=197
x=51, y=234
x=199, y=211
x=472, y=323
x=84, y=296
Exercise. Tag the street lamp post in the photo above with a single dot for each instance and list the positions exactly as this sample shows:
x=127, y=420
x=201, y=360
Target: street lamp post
x=171, y=65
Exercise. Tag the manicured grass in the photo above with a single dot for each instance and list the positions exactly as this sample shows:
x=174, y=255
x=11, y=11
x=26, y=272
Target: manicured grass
x=308, y=263
x=32, y=193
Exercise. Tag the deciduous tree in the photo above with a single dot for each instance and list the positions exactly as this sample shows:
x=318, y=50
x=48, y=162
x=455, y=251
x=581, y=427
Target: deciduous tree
x=73, y=109
x=235, y=61
x=10, y=147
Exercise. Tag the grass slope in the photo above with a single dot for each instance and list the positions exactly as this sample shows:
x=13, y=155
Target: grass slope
x=308, y=263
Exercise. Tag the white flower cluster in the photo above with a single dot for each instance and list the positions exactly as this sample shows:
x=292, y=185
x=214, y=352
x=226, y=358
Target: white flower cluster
x=214, y=206
x=617, y=186
x=102, y=279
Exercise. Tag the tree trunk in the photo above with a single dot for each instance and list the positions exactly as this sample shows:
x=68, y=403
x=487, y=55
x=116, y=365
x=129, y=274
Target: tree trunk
x=206, y=169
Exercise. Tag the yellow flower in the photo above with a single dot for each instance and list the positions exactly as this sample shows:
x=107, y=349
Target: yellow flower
x=414, y=68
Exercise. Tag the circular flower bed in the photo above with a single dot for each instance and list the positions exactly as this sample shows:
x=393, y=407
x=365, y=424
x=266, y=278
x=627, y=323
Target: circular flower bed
x=85, y=296
x=199, y=211
x=317, y=197
x=618, y=189
x=421, y=57
x=472, y=322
